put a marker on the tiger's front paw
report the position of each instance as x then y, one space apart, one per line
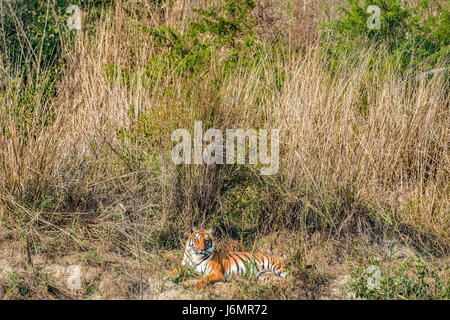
200 285
174 272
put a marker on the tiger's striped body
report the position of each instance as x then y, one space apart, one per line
200 255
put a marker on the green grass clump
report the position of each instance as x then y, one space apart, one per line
411 280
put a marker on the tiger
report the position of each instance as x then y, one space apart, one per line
201 256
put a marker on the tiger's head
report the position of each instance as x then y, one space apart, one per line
200 245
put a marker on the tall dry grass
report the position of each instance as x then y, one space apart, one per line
379 146
359 154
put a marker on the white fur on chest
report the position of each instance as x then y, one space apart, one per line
198 265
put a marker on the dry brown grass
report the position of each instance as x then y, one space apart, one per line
390 154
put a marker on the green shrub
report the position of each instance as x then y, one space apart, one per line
412 36
228 23
33 33
226 27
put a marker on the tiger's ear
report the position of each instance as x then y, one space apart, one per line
193 229
211 231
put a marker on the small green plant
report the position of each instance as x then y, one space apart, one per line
90 290
251 270
91 257
185 273
242 205
13 278
412 280
16 285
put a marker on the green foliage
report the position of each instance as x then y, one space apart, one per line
184 273
185 54
241 206
33 31
91 257
227 23
394 21
32 37
114 72
413 36
412 280
140 139
28 118
227 27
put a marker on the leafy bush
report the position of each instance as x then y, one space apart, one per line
228 23
33 32
413 36
226 27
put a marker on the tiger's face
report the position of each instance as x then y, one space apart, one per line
200 244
